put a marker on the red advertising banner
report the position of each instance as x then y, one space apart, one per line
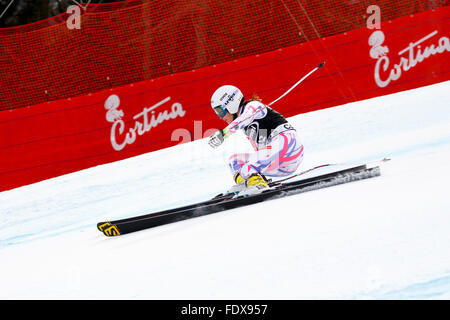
59 137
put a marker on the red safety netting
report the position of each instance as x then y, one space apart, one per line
136 40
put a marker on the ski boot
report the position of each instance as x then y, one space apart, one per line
254 184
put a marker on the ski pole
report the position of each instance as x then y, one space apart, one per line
284 94
298 82
301 173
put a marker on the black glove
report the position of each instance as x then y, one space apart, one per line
216 139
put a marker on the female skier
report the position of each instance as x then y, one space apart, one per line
278 151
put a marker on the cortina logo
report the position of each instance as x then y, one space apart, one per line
147 120
415 55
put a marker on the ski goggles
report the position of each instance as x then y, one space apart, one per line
220 111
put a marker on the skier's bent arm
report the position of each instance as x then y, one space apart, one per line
244 119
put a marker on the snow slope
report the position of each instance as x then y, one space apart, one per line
382 238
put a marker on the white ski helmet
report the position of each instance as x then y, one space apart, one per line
226 98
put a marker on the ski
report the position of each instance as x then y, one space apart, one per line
218 204
101 226
271 184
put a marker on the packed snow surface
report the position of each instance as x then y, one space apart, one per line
386 237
